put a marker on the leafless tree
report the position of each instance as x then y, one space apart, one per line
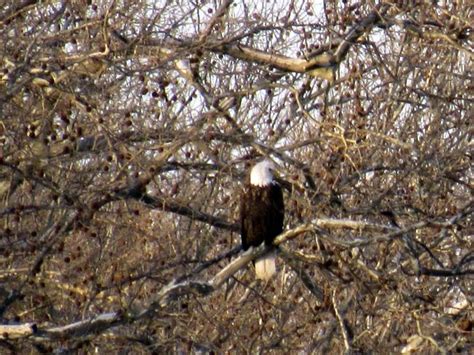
127 129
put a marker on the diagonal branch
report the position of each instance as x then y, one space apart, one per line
183 210
357 31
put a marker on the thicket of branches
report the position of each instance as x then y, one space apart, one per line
127 129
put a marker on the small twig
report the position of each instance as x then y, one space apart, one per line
342 325
303 275
216 17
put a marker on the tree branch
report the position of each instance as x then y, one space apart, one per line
179 287
174 207
319 63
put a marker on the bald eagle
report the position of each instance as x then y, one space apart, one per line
261 215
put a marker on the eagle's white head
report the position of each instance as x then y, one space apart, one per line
262 173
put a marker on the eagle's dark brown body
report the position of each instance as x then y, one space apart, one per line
261 214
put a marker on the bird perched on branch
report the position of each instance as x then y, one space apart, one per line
261 215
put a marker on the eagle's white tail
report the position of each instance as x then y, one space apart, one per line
265 266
